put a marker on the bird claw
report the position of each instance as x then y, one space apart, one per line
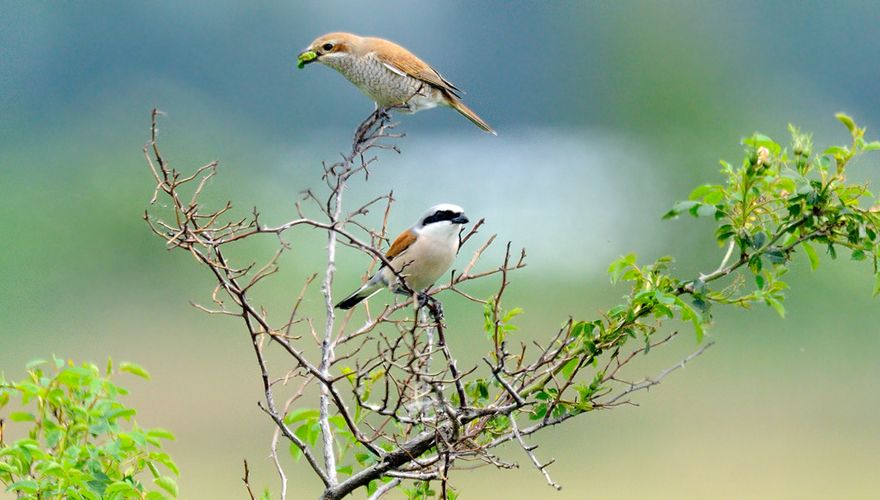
377 118
434 306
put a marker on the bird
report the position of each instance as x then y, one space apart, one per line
419 255
389 74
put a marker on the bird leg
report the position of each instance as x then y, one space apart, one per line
378 117
434 306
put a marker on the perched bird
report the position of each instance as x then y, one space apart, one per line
388 73
420 255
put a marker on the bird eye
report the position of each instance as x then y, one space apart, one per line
327 46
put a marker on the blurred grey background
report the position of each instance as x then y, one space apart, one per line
607 113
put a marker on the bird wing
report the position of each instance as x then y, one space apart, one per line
402 61
401 244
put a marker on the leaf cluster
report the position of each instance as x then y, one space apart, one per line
81 441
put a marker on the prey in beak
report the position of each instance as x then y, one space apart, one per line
305 57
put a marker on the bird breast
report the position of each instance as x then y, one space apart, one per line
424 261
383 85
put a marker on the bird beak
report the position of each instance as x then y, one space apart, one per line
461 219
305 57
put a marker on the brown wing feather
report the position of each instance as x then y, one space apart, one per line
394 55
403 241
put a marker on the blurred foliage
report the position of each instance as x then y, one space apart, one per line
78 445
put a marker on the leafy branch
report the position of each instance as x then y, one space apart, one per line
82 440
397 409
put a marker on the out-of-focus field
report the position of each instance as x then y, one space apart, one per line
607 114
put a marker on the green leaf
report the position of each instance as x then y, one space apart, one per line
846 120
837 152
295 452
35 363
538 412
617 268
758 239
24 486
777 305
134 369
125 413
689 314
706 210
708 193
679 208
568 368
872 146
811 254
723 233
758 140
158 432
516 311
308 414
168 484
120 487
21 416
775 255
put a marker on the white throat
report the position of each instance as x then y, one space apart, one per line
440 230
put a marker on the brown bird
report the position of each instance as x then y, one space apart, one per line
388 73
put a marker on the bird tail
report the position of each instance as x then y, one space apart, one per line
359 295
468 113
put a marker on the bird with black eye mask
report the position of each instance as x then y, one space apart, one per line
419 255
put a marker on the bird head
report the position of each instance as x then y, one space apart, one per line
328 47
445 216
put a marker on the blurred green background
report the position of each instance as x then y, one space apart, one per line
607 113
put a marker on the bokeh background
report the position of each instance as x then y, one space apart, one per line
607 113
